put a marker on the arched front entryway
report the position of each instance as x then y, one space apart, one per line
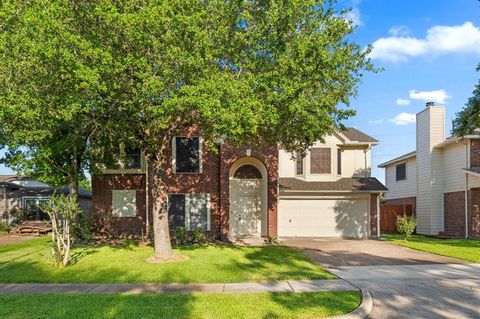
248 198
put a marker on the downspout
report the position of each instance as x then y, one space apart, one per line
365 151
378 217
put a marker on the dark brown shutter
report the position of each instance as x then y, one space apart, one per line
320 161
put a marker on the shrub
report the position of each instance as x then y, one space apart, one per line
127 242
62 210
4 227
180 236
198 236
81 228
271 240
406 225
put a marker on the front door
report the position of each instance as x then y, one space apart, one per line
245 211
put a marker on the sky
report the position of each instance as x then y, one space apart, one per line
428 50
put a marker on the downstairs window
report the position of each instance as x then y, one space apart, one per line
189 210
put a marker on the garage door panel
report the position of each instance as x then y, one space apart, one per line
323 218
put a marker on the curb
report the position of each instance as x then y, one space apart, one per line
363 310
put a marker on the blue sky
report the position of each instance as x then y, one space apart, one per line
429 50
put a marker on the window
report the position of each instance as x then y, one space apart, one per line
247 172
401 172
339 162
299 163
320 161
187 154
128 158
124 203
33 208
189 210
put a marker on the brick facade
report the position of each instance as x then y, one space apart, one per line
214 180
454 212
474 153
474 218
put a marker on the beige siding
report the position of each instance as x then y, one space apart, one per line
454 161
430 132
405 188
356 162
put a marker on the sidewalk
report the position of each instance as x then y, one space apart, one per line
278 286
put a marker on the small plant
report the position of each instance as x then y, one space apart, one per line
62 210
406 226
180 236
127 242
4 227
271 240
198 236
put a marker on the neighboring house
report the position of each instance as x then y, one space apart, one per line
250 191
25 193
440 179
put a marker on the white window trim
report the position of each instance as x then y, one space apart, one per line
25 198
140 170
187 211
135 212
174 154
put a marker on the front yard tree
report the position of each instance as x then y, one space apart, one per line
468 119
262 72
50 66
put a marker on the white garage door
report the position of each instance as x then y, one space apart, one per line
323 218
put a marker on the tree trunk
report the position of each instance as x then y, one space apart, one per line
161 233
73 184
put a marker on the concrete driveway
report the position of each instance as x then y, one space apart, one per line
404 283
335 252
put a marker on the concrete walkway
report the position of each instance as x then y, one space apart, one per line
279 286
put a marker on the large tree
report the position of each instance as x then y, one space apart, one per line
257 71
468 119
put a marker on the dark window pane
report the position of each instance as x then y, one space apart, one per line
187 154
132 158
320 161
176 210
339 162
299 162
198 211
247 172
401 172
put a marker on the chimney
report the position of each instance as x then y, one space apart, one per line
430 132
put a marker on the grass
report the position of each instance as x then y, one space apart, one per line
465 249
196 305
30 262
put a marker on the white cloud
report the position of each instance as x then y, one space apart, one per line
403 119
354 16
399 30
375 122
436 96
401 101
463 38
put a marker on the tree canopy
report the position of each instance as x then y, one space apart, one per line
468 119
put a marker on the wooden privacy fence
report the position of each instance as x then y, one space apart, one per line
388 217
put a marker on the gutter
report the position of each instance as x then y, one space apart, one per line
378 217
467 159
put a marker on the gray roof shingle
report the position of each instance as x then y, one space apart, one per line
358 136
355 184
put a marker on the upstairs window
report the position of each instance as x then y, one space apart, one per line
127 158
187 154
339 162
320 161
401 172
189 210
299 159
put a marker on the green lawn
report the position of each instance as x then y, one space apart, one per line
197 305
30 262
465 249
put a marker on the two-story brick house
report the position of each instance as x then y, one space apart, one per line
250 191
440 179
